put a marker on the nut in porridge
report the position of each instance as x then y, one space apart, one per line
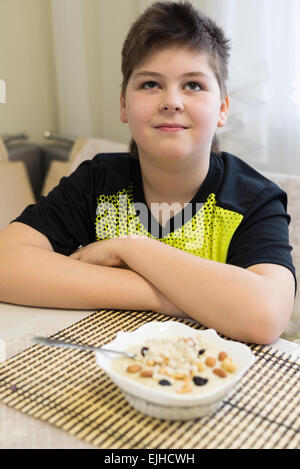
150 362
185 388
222 356
179 375
200 366
210 361
146 373
220 372
228 366
133 368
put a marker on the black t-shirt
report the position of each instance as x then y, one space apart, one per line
237 216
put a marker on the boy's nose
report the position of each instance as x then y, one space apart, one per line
171 106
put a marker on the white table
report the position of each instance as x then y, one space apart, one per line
18 326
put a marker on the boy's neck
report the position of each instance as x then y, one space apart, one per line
172 184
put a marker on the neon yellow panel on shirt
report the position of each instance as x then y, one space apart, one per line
207 234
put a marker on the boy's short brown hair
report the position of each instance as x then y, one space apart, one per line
175 23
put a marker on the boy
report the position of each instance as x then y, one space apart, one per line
208 235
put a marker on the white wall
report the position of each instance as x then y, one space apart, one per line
61 62
27 66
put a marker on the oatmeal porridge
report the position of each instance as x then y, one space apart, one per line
180 365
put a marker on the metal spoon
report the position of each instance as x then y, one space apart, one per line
60 343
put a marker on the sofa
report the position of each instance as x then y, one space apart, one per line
15 188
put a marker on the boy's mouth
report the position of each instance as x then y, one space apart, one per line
168 127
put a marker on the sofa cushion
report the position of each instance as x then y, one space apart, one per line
86 149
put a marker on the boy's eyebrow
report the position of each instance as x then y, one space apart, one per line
155 74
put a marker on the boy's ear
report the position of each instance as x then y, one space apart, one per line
123 115
224 109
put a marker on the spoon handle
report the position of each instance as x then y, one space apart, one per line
60 343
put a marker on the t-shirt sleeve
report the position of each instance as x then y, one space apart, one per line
67 215
263 235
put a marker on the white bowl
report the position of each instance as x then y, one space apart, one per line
166 405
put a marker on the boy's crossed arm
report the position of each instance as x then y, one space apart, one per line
31 273
252 305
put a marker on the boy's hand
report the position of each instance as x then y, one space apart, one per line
109 253
105 253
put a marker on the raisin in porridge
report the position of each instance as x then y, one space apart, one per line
177 364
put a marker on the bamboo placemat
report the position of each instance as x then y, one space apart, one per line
66 388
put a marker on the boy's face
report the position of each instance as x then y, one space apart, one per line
170 92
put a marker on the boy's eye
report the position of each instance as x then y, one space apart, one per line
145 85
194 86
